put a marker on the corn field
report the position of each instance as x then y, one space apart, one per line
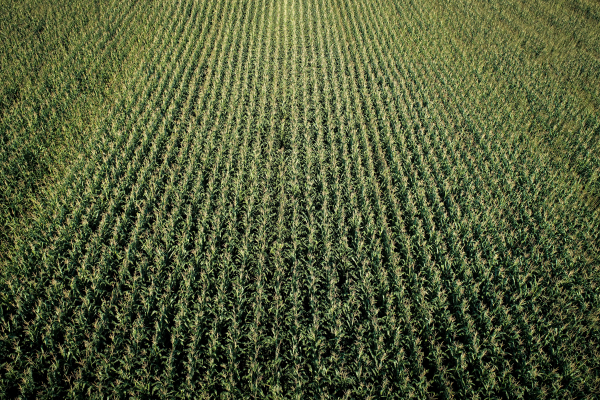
322 199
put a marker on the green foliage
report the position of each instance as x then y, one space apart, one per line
317 199
60 64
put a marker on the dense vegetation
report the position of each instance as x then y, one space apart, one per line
305 199
61 65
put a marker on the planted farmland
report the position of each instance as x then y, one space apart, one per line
313 199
